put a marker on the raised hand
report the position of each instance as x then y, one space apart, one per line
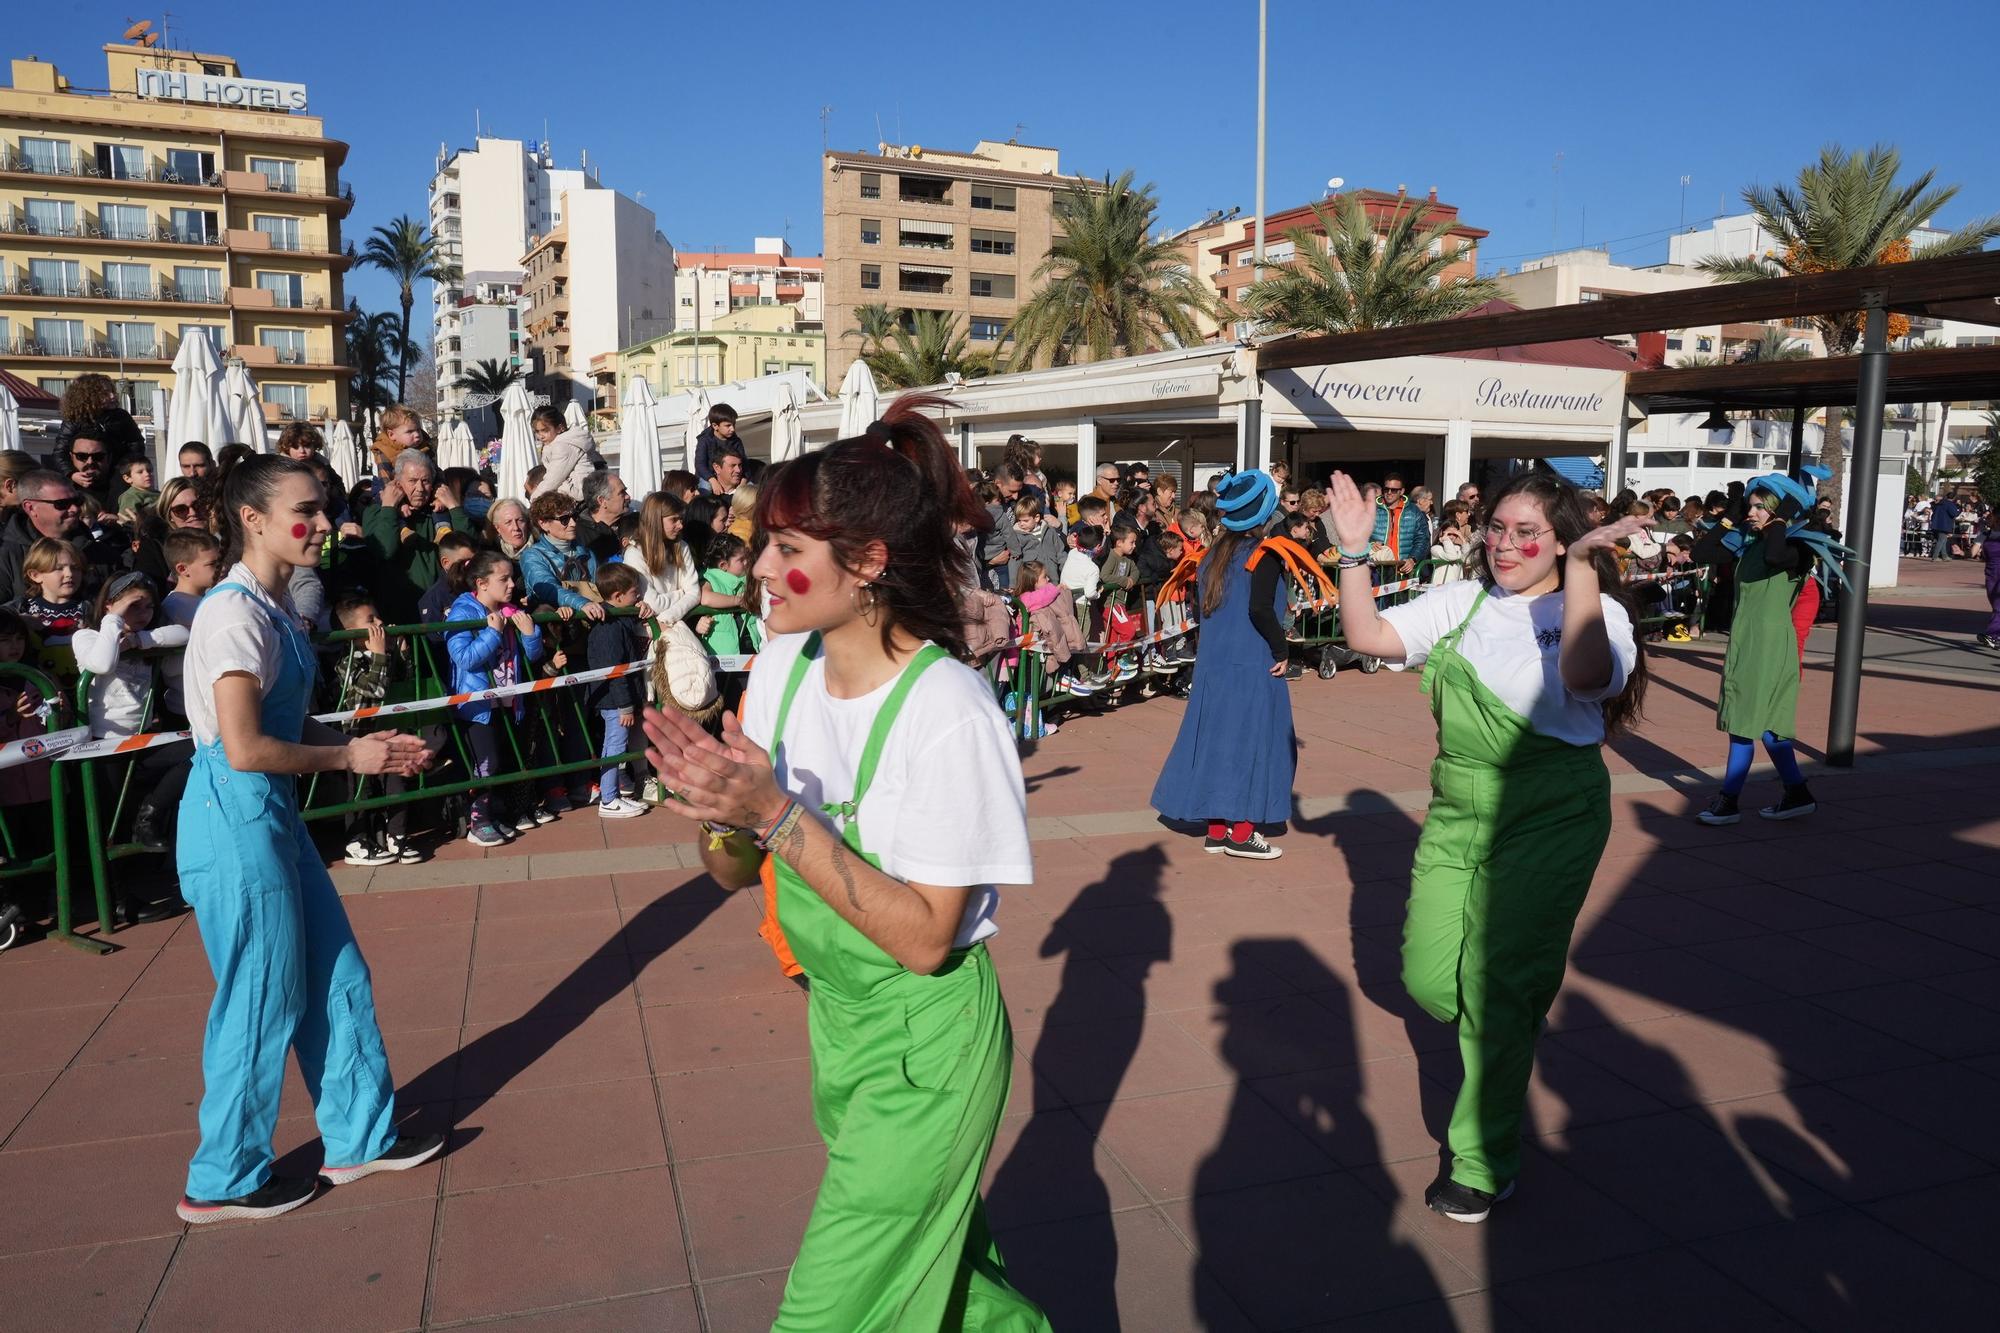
1353 517
1606 537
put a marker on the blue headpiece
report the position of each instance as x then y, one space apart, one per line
1246 500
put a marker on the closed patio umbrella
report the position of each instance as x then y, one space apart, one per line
455 445
195 411
343 454
860 400
518 455
639 441
243 408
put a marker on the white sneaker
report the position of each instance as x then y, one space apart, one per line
619 808
367 854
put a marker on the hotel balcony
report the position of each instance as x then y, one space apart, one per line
92 233
263 298
257 354
90 350
92 290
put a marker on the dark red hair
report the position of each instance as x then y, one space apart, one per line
899 484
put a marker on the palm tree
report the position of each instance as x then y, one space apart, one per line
925 351
1106 288
1353 277
877 323
406 253
1847 211
1774 344
490 378
374 344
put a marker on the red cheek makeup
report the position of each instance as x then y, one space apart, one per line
797 582
1531 549
299 530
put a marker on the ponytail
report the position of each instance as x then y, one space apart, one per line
251 484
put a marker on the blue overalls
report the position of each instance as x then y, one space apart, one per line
288 972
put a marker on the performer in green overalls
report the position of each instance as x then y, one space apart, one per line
879 775
1528 662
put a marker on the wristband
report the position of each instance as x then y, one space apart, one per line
1353 561
1345 554
760 836
784 824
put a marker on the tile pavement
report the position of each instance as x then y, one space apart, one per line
1764 1101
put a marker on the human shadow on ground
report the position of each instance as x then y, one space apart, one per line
1281 1230
1052 1170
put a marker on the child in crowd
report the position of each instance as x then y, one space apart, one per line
194 557
1096 511
374 837
1055 634
735 631
494 655
455 552
1119 575
1062 504
107 646
139 497
26 830
1030 537
614 641
56 607
1079 569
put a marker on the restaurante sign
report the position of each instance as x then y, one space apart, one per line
1433 389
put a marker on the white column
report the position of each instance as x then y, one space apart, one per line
1086 455
1614 454
1262 439
1457 458
1249 413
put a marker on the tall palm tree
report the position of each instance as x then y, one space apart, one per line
490 378
408 254
374 344
1106 287
924 352
876 325
1847 211
1353 277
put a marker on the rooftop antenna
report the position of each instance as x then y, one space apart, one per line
1018 127
824 112
1555 205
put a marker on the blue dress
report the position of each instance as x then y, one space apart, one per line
1236 754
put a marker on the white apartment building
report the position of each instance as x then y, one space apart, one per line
710 284
487 204
601 279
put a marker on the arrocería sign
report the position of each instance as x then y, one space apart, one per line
254 94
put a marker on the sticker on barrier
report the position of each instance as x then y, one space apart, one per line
30 748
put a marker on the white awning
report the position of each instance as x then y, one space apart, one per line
925 227
926 269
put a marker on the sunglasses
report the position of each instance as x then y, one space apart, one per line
76 457
1392 490
188 510
73 502
565 518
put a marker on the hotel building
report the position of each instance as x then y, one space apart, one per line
181 200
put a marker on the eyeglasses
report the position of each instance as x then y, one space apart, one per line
1392 490
1495 532
78 457
565 518
70 502
185 511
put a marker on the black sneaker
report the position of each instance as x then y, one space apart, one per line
1462 1203
279 1194
1255 849
401 1155
1797 801
1214 844
1987 641
1721 810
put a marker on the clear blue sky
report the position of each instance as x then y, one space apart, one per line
713 110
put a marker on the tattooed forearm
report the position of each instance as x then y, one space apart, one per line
840 868
795 843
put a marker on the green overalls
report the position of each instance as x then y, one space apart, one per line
1516 826
910 1078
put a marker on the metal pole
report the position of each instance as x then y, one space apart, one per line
1864 468
1263 28
1798 440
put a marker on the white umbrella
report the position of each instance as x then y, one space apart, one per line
10 419
573 416
697 422
518 456
787 432
196 408
163 453
343 454
243 408
639 440
860 400
455 446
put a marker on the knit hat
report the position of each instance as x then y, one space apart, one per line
1246 500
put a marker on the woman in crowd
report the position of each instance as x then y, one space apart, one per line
288 974
1235 755
568 454
882 780
508 529
1529 662
671 590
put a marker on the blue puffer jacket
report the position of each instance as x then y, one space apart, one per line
544 570
1414 534
476 652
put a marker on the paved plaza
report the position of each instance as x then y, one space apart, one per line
1763 1102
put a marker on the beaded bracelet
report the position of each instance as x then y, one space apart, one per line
1345 554
1353 562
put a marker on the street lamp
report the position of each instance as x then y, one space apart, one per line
1263 49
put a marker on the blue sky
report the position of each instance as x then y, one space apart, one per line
714 110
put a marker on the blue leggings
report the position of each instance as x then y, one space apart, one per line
1742 749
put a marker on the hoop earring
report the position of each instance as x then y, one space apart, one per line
869 612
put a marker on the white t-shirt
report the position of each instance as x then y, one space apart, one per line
947 806
1514 645
231 633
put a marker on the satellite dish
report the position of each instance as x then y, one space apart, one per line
150 40
1335 183
138 30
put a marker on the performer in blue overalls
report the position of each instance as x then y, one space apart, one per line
288 974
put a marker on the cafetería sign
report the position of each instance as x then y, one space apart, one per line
1376 394
250 94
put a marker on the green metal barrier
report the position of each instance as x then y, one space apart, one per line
56 861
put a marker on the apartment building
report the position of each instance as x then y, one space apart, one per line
916 228
742 344
601 279
182 200
710 284
488 204
1236 252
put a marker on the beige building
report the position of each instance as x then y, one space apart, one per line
187 201
917 228
744 344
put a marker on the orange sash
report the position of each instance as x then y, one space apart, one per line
1299 563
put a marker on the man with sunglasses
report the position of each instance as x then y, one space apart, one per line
1400 527
91 470
50 507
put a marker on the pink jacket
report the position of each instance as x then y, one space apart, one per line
1052 617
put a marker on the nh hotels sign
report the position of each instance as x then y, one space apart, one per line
250 94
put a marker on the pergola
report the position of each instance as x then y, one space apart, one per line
1965 289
